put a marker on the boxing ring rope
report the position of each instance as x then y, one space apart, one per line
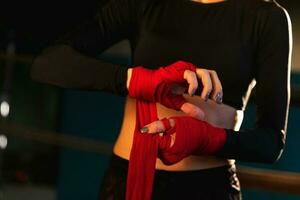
251 178
54 138
269 180
20 58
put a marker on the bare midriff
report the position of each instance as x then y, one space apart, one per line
219 115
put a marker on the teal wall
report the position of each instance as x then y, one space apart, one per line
92 115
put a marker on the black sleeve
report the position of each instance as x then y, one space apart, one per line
71 62
265 142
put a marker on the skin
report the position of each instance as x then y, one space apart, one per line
208 1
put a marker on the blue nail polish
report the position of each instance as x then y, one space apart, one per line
207 96
193 93
144 130
219 98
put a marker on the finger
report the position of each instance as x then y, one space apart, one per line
204 75
158 126
217 93
191 79
193 111
153 127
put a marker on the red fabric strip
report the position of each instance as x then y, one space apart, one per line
192 137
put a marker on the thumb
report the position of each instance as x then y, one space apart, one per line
192 111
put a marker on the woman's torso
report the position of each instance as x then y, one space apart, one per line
217 114
219 36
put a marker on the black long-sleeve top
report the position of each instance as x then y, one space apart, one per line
241 40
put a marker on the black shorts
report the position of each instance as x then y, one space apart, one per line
220 183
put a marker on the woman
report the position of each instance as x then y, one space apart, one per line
241 40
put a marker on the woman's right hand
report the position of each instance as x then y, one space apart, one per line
155 85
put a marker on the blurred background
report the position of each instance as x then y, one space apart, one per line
55 143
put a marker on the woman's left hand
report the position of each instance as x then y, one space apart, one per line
191 135
157 126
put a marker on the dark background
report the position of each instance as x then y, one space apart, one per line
32 170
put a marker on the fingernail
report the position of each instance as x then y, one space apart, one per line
144 130
207 96
193 93
219 98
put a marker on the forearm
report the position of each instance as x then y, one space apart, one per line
258 145
63 66
129 72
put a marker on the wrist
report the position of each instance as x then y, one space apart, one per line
141 84
129 73
217 139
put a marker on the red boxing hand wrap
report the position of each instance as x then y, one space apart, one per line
154 85
193 137
166 123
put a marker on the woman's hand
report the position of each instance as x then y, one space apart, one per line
212 87
157 86
187 136
158 126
